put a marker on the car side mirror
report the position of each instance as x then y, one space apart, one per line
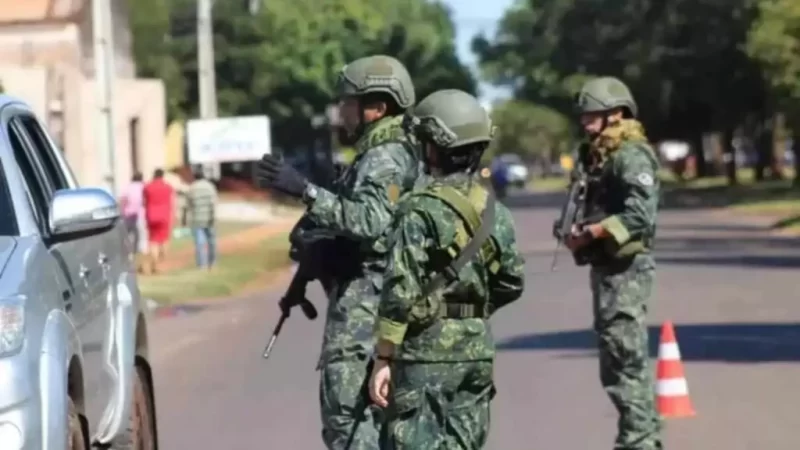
81 212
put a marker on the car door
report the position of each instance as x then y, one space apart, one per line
88 265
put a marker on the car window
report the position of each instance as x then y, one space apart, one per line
8 220
39 188
47 153
511 158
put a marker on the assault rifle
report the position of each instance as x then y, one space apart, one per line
296 292
295 296
572 214
313 250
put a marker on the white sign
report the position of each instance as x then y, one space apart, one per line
229 139
674 150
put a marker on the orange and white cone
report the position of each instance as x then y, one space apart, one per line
672 390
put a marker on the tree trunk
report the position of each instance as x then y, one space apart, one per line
796 151
729 156
778 147
762 141
696 143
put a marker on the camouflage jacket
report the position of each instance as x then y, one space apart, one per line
423 227
626 167
360 208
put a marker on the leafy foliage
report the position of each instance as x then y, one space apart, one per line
283 60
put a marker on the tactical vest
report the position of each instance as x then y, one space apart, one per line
601 203
458 304
385 131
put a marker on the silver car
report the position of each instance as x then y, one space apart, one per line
73 335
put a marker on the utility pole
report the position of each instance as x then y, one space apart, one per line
206 76
104 73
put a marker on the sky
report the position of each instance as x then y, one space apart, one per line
473 17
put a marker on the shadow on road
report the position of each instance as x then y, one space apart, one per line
721 227
725 244
762 261
728 342
757 252
535 200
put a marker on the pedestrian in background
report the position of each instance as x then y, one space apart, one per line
199 214
159 212
132 201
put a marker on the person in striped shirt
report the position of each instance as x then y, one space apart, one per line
201 203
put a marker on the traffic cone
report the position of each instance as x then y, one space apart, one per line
672 391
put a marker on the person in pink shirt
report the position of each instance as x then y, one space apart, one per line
132 203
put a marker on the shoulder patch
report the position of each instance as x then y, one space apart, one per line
393 192
645 179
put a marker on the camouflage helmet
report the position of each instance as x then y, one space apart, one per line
377 73
452 118
605 93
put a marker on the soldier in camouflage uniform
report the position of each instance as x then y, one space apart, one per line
375 92
435 344
620 168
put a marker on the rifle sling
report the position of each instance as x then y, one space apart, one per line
484 231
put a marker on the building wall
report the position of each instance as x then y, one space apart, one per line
122 37
139 110
27 83
46 59
39 45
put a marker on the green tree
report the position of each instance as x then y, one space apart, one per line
536 133
774 41
150 27
683 59
283 61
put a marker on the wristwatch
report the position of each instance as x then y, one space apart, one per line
310 194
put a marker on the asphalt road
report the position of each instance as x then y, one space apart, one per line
730 288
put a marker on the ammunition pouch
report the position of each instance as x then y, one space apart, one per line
462 302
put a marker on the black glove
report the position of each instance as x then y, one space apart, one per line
275 174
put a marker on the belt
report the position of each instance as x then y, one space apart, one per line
452 310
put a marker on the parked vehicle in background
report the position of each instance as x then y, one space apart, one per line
499 178
74 349
517 171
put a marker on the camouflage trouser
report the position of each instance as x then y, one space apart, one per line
349 420
440 406
620 305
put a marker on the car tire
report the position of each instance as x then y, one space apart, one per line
76 439
141 431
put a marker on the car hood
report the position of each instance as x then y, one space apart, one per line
7 246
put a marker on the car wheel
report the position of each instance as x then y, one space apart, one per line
140 434
76 438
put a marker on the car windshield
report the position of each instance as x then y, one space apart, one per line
511 158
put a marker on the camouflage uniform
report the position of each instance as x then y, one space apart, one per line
624 188
442 366
360 209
